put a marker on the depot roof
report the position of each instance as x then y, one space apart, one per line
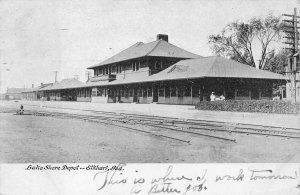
214 66
64 84
159 48
206 67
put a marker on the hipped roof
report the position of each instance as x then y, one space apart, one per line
214 66
64 84
208 67
159 48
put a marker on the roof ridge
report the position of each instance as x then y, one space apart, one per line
158 42
185 50
138 43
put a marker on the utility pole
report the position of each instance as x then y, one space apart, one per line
55 72
88 75
291 30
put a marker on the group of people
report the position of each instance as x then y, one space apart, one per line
214 97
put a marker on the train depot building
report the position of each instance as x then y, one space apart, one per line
160 72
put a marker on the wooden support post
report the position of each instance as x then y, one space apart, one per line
191 91
235 93
250 93
200 92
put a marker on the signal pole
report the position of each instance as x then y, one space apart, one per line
291 29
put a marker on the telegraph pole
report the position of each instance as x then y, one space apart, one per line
88 75
291 29
55 72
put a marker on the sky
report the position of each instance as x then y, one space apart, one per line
38 37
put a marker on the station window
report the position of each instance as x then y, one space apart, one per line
110 92
195 91
126 91
149 91
161 91
135 66
144 92
167 91
180 91
266 92
160 65
140 92
173 91
187 91
243 92
114 68
130 92
94 92
119 68
156 64
122 92
99 91
109 69
143 64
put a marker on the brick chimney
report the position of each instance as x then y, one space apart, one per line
32 85
162 37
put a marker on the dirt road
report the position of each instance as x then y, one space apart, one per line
40 139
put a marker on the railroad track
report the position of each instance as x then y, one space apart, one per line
212 129
128 123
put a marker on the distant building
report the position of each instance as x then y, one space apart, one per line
2 96
64 90
14 93
34 93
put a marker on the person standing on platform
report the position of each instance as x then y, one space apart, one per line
212 96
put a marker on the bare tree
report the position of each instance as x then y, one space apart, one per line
237 40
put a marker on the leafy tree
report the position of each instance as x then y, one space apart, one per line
239 39
276 61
